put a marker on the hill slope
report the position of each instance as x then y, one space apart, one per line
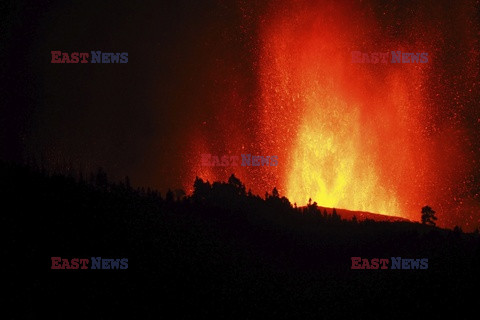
220 253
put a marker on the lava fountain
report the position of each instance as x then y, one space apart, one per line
349 135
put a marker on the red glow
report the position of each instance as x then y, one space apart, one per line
354 136
350 135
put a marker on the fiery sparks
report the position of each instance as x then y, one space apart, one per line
356 136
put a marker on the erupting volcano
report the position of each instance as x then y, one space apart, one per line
386 138
343 123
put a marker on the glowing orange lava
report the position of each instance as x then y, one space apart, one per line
347 133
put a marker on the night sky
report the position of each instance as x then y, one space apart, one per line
259 77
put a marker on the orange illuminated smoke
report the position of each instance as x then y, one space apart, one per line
350 135
358 136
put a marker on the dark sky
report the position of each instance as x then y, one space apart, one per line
131 119
219 76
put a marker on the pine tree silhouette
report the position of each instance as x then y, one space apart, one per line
428 216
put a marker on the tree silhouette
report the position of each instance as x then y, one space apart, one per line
275 193
101 179
169 197
127 183
428 216
457 230
335 216
201 189
179 194
237 185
